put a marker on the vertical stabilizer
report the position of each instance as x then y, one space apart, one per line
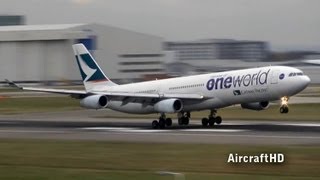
92 75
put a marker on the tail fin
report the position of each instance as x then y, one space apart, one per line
91 73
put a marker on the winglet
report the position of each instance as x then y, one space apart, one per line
12 84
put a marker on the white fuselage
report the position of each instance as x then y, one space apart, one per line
218 89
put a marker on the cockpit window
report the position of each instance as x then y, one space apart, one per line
295 74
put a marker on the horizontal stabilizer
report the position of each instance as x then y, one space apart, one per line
12 84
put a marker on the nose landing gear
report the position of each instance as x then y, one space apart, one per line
284 108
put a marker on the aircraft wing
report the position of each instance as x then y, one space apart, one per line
150 95
82 93
59 91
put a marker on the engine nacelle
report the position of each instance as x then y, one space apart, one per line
256 105
168 106
94 102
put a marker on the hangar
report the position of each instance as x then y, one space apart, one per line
43 53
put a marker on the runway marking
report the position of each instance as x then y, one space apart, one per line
121 129
105 128
175 134
144 130
303 124
160 135
213 130
8 122
234 135
31 131
139 130
271 136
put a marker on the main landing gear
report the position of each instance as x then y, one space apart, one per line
284 108
162 123
183 118
212 119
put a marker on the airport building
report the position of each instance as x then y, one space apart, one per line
224 49
33 53
43 53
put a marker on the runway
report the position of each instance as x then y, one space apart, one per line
139 130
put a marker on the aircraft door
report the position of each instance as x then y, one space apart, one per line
275 76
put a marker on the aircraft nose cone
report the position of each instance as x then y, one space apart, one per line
306 80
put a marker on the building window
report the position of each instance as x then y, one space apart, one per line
141 63
140 70
140 55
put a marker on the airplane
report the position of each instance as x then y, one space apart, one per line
252 88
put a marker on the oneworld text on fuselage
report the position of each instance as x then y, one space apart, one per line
259 78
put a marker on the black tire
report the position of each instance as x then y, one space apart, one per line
205 122
168 122
185 120
211 121
286 110
218 120
155 124
180 121
162 123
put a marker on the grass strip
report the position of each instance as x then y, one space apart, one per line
37 104
53 159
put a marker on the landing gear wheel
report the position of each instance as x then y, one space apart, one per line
281 110
218 119
185 120
205 122
155 124
284 109
162 123
284 105
168 122
211 121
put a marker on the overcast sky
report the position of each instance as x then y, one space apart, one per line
287 24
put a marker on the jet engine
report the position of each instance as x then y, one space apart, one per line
94 102
256 105
168 106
